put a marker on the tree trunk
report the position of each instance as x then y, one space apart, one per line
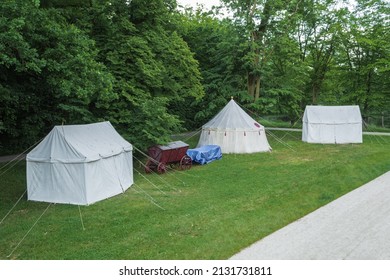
251 87
314 95
257 92
254 86
257 37
368 91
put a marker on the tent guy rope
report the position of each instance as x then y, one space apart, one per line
154 185
21 154
159 177
2 220
267 131
280 140
152 200
10 167
28 232
173 174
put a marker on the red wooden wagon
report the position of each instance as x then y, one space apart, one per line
172 153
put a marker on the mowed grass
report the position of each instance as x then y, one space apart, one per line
209 212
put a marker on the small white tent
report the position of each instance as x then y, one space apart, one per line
234 131
332 125
79 164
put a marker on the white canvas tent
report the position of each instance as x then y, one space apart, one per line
332 125
234 131
79 164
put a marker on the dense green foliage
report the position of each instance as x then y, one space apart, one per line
153 69
111 60
48 73
314 52
206 216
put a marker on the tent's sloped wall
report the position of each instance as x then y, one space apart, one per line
80 143
332 125
79 164
55 148
232 116
105 142
332 114
234 131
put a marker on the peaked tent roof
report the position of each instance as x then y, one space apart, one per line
332 114
232 117
80 143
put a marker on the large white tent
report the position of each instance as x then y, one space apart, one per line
234 131
79 164
332 125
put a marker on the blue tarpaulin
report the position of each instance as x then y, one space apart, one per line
205 154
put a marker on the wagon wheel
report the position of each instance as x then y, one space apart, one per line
161 168
148 166
185 163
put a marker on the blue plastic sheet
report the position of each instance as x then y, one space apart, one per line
205 154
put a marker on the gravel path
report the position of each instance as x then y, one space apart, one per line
354 226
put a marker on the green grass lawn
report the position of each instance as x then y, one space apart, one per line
210 212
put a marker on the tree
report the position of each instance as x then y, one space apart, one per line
48 73
215 43
253 18
76 62
153 68
319 35
367 57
